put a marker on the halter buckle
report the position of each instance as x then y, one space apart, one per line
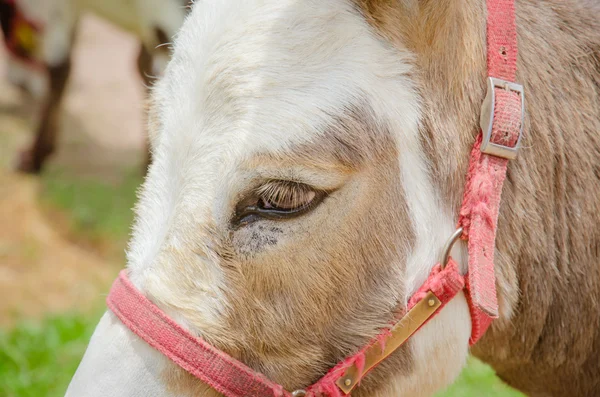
486 120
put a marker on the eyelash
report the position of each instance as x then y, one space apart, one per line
281 191
254 207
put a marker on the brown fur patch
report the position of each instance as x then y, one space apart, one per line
548 243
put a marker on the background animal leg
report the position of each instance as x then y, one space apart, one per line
32 159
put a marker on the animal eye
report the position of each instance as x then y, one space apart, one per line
278 200
285 196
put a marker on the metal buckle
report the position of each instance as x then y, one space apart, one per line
486 120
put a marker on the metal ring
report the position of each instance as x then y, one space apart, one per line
448 247
299 393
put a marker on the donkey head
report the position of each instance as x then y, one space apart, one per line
289 212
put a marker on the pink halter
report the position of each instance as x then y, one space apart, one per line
501 124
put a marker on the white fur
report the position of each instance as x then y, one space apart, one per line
118 364
252 76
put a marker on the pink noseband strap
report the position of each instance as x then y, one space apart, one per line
214 367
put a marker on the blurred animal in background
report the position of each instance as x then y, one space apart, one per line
39 36
21 37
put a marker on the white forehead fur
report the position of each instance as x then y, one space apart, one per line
250 76
263 75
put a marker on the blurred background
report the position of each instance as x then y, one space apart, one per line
63 232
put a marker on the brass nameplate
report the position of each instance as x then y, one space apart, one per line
403 329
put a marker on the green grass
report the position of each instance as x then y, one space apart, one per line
38 359
478 380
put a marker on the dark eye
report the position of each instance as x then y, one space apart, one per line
278 200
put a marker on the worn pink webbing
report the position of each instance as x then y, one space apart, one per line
479 212
214 367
